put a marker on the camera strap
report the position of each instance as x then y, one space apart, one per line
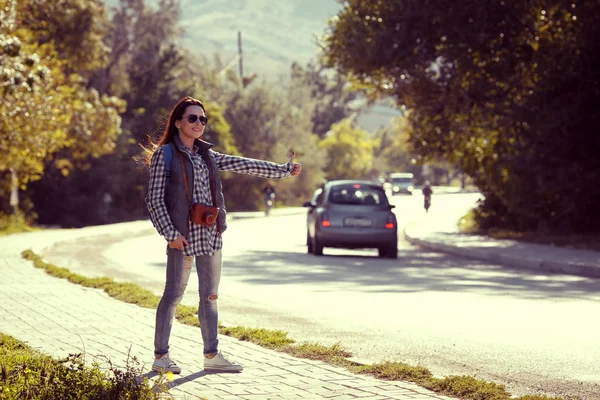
185 181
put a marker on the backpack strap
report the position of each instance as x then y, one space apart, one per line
168 155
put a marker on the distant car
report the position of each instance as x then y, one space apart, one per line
351 214
402 183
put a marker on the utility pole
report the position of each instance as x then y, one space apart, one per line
240 58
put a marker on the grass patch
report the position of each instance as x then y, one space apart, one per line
127 292
581 241
279 340
28 374
14 223
275 340
395 371
334 354
463 387
467 387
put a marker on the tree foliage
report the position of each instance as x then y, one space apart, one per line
76 28
46 109
393 152
504 89
349 152
141 68
81 93
269 124
328 91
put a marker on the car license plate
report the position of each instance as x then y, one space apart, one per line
357 222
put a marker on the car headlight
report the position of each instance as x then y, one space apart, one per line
396 188
410 188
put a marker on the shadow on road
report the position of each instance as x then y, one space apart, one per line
415 270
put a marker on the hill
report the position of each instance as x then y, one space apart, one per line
274 33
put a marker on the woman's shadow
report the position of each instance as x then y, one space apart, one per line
180 380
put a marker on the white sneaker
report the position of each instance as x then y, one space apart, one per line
220 364
165 364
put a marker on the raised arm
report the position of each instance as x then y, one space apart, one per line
251 166
155 198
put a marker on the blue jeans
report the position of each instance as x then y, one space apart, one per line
178 274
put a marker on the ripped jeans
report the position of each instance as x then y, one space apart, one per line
179 268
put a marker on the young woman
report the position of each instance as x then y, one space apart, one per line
184 171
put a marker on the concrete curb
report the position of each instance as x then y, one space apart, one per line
496 256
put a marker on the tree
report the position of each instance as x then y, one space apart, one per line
45 111
393 152
349 152
268 124
328 91
136 61
504 89
76 28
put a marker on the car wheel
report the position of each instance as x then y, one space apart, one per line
317 247
309 243
390 251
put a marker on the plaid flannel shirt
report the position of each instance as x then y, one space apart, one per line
202 240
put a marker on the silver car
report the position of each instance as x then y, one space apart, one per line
402 182
351 214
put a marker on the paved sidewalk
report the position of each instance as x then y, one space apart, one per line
58 318
443 236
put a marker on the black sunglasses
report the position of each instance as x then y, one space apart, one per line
192 118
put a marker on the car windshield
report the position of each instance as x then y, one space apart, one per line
402 180
357 194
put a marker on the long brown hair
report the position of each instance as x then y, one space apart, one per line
170 128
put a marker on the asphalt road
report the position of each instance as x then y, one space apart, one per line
534 333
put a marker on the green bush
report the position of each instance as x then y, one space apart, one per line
14 223
467 387
27 374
